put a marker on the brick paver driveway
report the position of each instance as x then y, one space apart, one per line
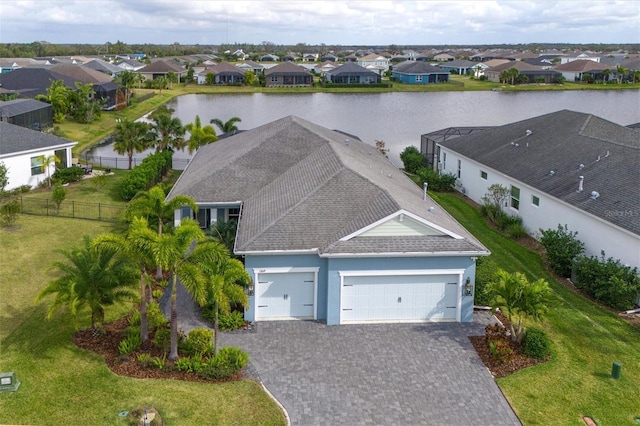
377 374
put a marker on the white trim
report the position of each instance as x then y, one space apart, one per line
401 272
285 270
396 214
39 150
278 252
408 254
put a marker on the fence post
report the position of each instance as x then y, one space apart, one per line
73 209
47 207
99 212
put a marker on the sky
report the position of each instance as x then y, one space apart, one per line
310 22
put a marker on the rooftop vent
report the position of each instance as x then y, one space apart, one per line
594 195
581 166
528 132
551 173
346 142
432 209
580 184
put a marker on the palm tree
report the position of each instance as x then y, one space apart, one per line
126 80
47 161
225 232
228 126
130 137
92 276
183 253
620 73
227 281
605 75
167 131
199 135
519 299
172 77
58 97
133 247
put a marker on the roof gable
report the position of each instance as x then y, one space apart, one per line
401 223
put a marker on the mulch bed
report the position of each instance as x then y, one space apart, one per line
106 344
517 362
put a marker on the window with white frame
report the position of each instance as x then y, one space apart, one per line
483 174
233 214
535 201
515 197
444 161
36 165
274 78
459 168
418 78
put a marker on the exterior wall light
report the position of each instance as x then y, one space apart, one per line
467 287
250 289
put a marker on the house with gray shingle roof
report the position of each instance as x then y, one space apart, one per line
352 73
27 113
330 230
419 72
22 151
561 168
288 74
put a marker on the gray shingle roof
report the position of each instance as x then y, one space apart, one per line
303 188
14 139
21 106
562 141
418 67
351 68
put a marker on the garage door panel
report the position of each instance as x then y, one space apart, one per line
399 298
285 295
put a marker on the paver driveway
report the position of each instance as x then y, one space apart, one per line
377 374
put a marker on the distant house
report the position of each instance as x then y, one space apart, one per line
580 57
102 84
310 57
325 67
290 57
532 72
575 70
224 73
351 58
161 68
374 62
458 66
350 73
443 57
30 82
27 113
288 74
104 67
269 58
418 72
561 168
23 150
130 64
252 66
329 57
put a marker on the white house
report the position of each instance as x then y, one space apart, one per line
23 152
562 168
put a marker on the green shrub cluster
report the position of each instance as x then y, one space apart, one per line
199 342
607 281
498 343
509 224
412 159
9 212
536 344
437 182
233 321
227 363
130 343
68 174
145 174
562 248
485 273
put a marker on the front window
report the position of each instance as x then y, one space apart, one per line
418 78
234 214
483 175
515 197
274 78
535 201
36 165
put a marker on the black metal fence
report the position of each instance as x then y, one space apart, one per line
123 162
72 209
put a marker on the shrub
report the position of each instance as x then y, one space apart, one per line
145 174
162 339
199 342
155 317
189 364
412 159
58 195
501 350
9 212
157 293
227 363
485 273
22 189
233 321
436 181
133 330
68 174
144 360
608 281
158 362
536 344
130 344
516 230
562 248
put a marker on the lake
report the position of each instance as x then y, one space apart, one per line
399 119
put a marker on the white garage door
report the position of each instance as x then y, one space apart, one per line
399 298
289 295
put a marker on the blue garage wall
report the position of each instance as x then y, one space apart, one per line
252 262
335 265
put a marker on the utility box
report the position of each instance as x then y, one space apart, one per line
616 370
9 382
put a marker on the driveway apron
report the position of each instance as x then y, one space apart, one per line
375 374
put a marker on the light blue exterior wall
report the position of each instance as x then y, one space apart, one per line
394 263
252 262
411 78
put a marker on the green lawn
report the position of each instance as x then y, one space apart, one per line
586 341
62 384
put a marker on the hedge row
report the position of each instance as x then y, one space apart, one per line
144 175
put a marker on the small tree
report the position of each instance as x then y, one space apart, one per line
493 201
4 178
9 213
519 299
47 160
412 159
209 79
562 247
58 195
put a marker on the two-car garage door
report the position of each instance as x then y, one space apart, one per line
401 298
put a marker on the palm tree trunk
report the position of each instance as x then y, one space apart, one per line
144 329
215 330
159 268
173 352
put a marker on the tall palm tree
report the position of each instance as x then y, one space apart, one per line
133 247
183 253
199 135
227 281
227 126
172 78
47 161
130 137
91 276
151 205
167 131
126 79
58 97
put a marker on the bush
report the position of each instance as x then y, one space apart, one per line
227 363
9 212
130 344
199 342
145 174
68 174
22 189
607 281
536 344
516 230
485 273
412 159
58 195
162 339
501 350
233 321
158 362
562 248
144 360
189 364
436 181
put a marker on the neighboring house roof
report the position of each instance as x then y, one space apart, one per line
82 74
519 65
372 57
459 63
351 68
226 67
103 66
20 106
287 68
417 67
561 147
582 65
305 188
33 81
16 139
495 62
162 67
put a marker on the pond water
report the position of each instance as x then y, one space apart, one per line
399 119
